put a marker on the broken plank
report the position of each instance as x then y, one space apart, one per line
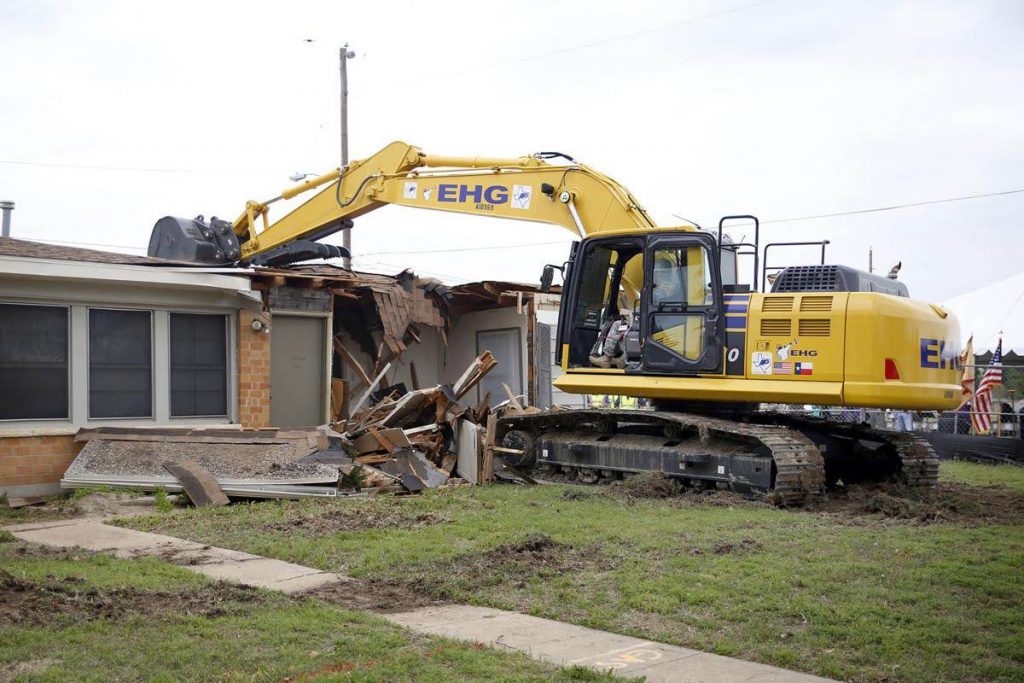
370 389
513 400
483 364
350 360
373 459
413 379
487 467
337 398
384 441
198 483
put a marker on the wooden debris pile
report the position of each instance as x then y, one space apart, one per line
416 438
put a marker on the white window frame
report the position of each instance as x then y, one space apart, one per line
228 367
69 397
152 363
78 367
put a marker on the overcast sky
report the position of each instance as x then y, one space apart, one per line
122 112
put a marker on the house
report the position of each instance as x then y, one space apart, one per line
91 338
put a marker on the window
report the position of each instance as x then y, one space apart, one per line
681 290
33 362
120 363
199 365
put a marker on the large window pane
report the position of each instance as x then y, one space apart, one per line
120 364
33 362
199 365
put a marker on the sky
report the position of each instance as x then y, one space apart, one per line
114 114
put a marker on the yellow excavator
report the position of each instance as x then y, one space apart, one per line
658 313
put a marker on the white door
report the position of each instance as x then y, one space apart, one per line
297 371
506 347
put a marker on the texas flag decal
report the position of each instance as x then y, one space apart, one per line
803 368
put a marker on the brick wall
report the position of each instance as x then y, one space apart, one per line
253 371
31 465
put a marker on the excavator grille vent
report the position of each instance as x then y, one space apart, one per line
777 304
774 327
813 327
809 304
809 279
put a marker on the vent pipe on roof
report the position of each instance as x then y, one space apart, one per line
6 207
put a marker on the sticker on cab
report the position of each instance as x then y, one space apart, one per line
761 363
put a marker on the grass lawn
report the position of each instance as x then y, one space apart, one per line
928 589
1009 476
67 616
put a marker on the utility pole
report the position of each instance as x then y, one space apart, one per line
871 260
343 56
6 207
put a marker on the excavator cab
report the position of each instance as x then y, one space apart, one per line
666 285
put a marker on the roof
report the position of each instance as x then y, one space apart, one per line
10 246
990 311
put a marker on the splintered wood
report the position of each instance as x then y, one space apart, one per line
474 373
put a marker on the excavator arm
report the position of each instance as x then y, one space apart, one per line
529 188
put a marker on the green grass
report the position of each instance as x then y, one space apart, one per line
1010 476
857 598
278 638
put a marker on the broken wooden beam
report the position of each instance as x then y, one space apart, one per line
200 485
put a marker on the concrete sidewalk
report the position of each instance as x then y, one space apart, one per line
552 641
567 644
217 563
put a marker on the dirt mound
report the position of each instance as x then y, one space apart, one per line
946 502
370 596
535 555
579 494
24 602
533 545
646 485
742 546
507 566
356 519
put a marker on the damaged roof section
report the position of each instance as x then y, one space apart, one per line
395 305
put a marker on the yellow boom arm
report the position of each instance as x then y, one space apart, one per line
529 188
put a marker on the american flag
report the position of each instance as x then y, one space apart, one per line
981 412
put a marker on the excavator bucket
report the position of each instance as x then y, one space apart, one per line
195 240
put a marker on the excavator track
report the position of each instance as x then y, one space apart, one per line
910 458
788 458
702 450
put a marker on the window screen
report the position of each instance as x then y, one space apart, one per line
120 364
199 365
33 362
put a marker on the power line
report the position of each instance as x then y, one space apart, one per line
894 207
133 169
585 46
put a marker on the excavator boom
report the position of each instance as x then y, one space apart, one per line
570 195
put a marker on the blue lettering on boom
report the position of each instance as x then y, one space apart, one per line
446 193
496 194
478 194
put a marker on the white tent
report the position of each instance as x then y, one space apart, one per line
989 310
